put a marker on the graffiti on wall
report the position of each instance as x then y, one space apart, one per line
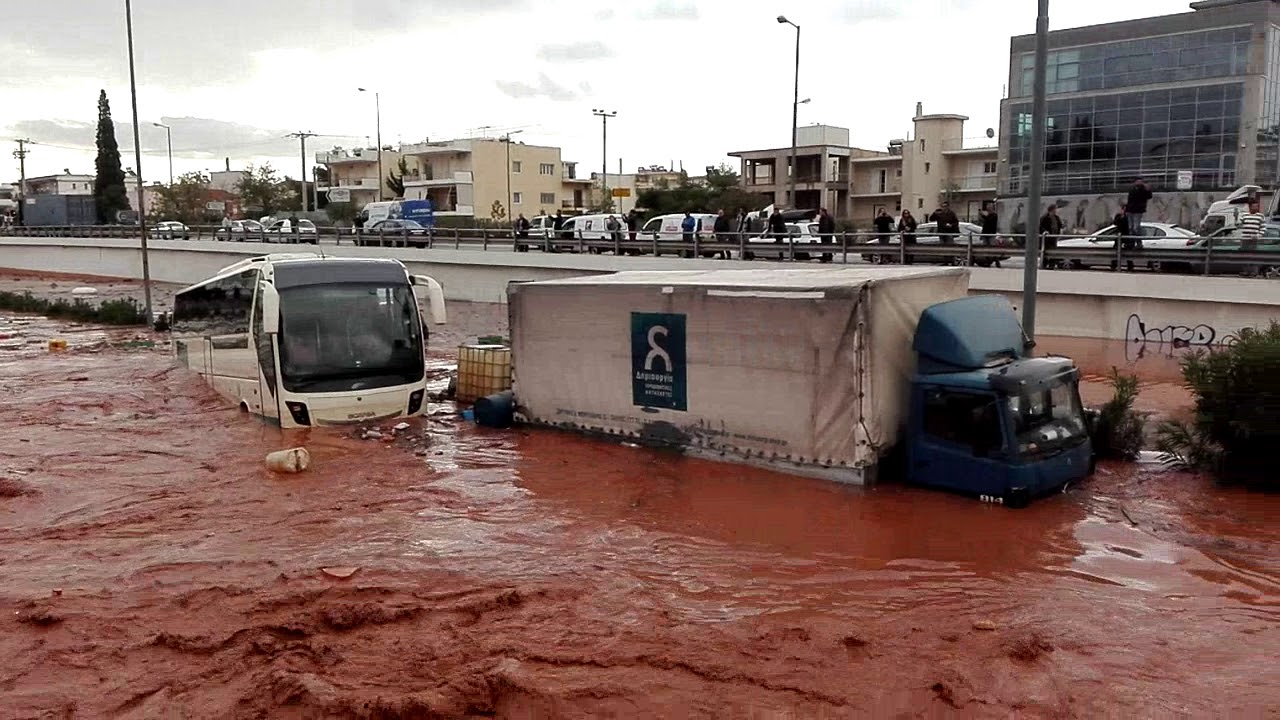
1141 338
1088 213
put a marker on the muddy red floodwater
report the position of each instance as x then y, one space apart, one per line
153 568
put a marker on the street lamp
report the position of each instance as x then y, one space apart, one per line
137 156
507 139
795 107
169 132
604 116
377 107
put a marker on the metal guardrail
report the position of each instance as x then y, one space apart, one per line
839 247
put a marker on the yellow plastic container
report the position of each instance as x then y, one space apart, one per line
482 371
57 345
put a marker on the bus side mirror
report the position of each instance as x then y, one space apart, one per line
435 297
270 308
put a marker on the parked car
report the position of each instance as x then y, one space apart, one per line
801 235
170 230
1226 242
927 235
394 233
241 230
669 228
282 231
1155 236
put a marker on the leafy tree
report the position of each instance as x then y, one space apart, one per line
109 191
395 183
262 191
721 190
184 200
342 213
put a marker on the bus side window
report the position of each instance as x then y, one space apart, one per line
262 346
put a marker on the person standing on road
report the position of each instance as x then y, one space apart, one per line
744 224
884 226
907 228
688 228
1136 205
1050 229
722 232
1250 232
615 229
777 226
948 224
633 223
826 232
990 225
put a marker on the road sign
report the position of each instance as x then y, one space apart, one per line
339 195
1185 179
621 192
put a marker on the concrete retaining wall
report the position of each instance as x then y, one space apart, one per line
1140 307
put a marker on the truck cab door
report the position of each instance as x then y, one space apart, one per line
958 441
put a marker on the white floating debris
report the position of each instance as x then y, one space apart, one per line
402 426
85 291
294 460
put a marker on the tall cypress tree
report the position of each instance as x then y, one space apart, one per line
109 192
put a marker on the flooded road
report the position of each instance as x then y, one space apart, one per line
154 568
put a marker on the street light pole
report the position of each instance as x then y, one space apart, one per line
510 204
137 157
1038 121
795 109
377 109
169 133
604 116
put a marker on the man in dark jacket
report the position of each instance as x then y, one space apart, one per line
948 224
722 232
1136 205
884 226
826 226
1124 235
1050 229
777 226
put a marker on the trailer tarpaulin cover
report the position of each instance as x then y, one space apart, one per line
804 369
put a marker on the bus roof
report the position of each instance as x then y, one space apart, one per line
316 267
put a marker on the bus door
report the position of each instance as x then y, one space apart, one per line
268 374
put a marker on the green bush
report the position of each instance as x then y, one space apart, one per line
1236 428
110 312
1120 430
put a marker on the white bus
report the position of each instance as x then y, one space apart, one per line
303 340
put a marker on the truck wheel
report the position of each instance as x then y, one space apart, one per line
1017 498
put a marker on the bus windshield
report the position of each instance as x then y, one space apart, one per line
351 336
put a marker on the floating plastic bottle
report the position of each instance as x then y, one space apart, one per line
294 460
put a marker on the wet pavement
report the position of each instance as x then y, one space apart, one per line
154 568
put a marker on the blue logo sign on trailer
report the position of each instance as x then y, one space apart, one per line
659 371
420 211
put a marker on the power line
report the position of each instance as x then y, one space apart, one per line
302 184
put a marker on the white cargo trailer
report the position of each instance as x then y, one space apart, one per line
803 370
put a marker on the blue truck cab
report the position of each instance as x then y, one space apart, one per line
985 418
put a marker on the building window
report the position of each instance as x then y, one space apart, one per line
548 198
546 169
988 168
927 166
517 198
920 203
921 144
515 166
899 172
883 185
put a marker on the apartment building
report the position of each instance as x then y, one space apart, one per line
493 179
1189 102
936 164
64 184
355 171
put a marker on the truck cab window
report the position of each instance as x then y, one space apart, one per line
966 419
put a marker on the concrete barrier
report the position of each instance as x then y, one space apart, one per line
1148 308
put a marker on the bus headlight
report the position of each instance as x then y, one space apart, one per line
299 412
415 402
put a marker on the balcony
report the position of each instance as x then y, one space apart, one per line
981 144
436 148
350 183
429 179
974 183
334 157
875 189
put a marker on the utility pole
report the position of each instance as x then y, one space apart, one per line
604 116
377 111
21 154
302 186
137 155
795 111
1038 121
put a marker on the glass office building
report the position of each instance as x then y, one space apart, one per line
1188 102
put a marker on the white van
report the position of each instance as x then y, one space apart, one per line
375 211
669 228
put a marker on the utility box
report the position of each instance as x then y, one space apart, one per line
802 370
60 210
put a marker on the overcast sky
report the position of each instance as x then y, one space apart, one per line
691 80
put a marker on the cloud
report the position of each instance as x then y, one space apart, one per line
192 137
603 15
869 11
670 10
545 88
574 52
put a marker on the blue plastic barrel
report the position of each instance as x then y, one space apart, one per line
496 411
